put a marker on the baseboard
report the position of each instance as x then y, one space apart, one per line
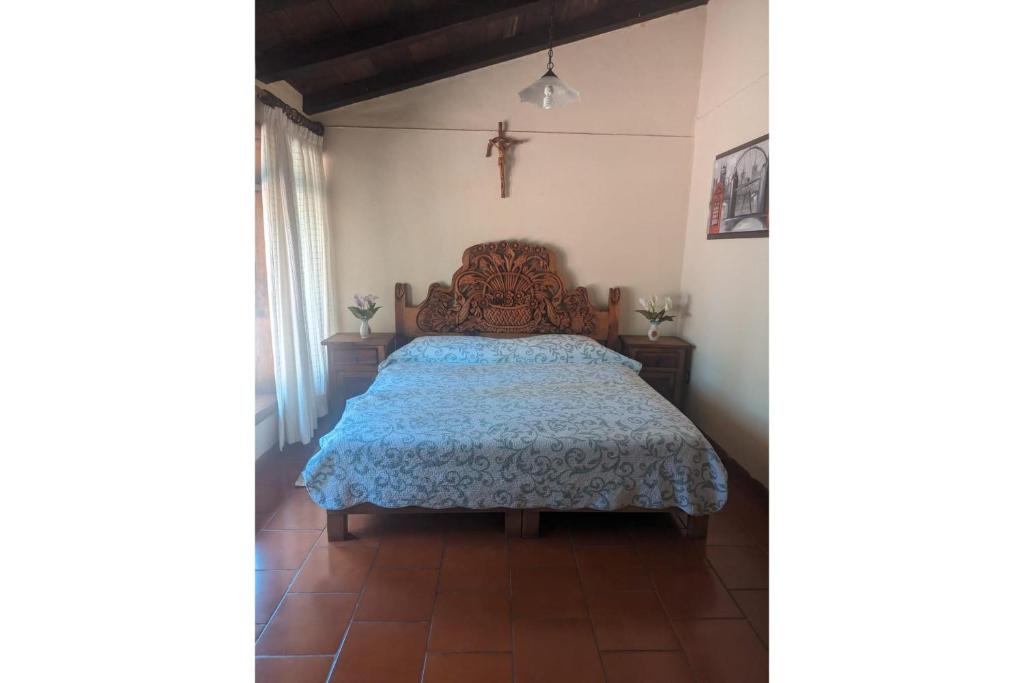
735 469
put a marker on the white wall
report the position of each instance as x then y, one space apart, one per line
605 181
618 184
266 435
727 280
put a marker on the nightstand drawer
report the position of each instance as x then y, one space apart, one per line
357 356
666 363
355 371
657 358
662 381
352 362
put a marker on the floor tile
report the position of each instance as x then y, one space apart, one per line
605 555
655 533
694 594
547 593
740 567
376 528
759 532
755 606
546 551
750 516
476 529
726 530
678 553
647 667
398 595
605 579
472 621
420 551
292 669
271 585
307 624
611 568
283 549
630 621
599 529
382 653
298 511
474 567
323 542
468 668
556 651
723 650
356 528
261 520
340 568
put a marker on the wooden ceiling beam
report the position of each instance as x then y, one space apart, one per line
279 64
618 15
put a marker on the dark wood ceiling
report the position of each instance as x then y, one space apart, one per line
337 52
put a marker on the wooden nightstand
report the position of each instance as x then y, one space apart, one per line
352 362
666 363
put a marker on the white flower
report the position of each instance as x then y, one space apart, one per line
668 303
643 302
359 301
371 299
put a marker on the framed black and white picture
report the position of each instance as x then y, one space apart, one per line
739 192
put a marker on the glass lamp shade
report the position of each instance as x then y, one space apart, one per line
548 91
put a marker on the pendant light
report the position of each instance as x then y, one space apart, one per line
549 91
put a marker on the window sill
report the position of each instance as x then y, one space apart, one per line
266 405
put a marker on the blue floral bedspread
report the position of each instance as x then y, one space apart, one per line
556 421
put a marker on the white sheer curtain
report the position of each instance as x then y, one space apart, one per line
298 270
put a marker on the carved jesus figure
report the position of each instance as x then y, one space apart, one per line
503 144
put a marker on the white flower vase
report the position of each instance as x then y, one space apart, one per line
652 332
364 329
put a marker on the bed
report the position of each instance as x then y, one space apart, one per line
506 394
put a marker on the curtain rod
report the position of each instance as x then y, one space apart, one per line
507 130
293 114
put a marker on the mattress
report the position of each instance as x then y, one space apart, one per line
551 421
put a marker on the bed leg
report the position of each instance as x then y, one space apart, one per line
337 526
691 526
514 523
697 527
531 524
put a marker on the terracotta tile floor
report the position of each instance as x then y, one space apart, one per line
447 598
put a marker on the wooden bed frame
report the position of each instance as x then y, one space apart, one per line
505 289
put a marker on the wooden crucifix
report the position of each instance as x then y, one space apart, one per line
503 144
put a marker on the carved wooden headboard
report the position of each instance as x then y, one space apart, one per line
506 289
